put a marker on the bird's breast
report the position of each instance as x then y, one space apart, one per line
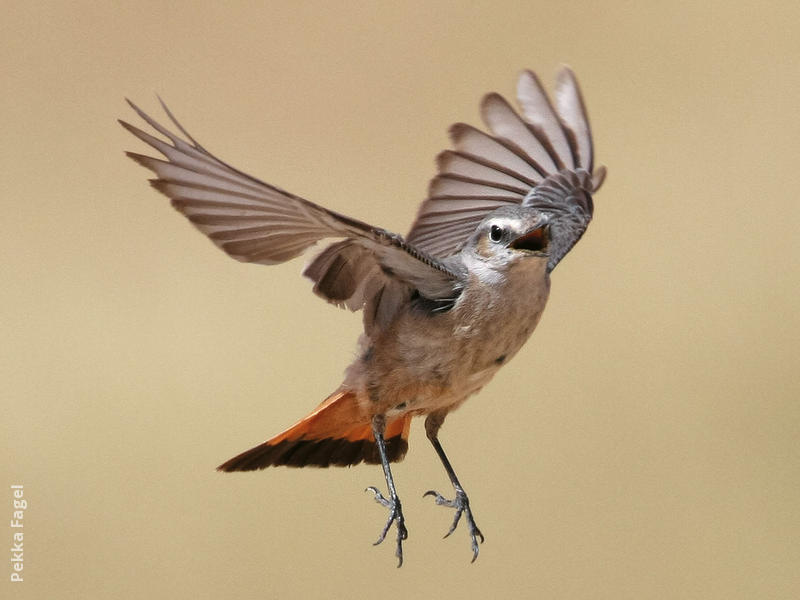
428 361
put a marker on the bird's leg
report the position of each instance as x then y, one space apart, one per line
393 502
461 502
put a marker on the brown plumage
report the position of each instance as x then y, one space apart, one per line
445 307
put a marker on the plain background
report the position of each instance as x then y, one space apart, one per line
644 444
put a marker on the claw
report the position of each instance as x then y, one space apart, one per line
461 504
395 516
378 496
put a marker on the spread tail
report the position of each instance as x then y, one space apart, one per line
337 433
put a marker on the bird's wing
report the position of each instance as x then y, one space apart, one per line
256 222
488 170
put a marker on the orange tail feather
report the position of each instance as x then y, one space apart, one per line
337 433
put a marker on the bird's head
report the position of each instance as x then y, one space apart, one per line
550 220
510 234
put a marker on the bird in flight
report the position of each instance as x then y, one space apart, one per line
444 307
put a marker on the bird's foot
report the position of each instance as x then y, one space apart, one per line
461 504
395 516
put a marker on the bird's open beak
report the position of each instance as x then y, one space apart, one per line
535 240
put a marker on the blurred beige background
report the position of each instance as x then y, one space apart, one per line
644 444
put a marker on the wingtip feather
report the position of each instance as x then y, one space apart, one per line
572 112
598 177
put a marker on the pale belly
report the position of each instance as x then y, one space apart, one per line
428 362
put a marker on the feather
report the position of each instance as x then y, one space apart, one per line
538 111
573 117
505 123
256 222
487 171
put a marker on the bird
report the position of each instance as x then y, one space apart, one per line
444 307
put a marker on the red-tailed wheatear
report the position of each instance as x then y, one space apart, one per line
444 307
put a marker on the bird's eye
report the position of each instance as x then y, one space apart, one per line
496 233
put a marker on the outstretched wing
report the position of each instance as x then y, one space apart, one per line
253 221
488 170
